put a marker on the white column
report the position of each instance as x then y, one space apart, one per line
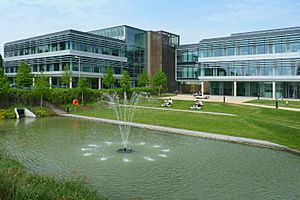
234 88
50 81
99 83
274 89
70 82
33 81
202 87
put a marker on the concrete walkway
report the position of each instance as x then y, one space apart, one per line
240 140
231 99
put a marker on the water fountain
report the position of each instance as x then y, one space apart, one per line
124 110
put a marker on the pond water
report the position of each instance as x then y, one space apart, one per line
163 166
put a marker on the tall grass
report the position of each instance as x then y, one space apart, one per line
18 184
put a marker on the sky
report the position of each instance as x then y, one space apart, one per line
193 20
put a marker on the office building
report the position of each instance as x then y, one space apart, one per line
264 63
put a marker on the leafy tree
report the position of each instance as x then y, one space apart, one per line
159 78
109 78
3 82
24 75
66 76
41 87
125 81
83 86
143 79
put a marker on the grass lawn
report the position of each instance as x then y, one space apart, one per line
291 104
279 126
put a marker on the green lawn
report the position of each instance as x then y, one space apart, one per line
291 104
279 126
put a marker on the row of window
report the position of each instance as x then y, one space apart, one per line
251 50
241 68
38 49
75 67
193 54
263 89
64 46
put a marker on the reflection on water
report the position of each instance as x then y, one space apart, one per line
163 166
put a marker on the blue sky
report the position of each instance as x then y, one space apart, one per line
193 20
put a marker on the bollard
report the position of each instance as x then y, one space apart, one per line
68 109
276 104
224 99
286 103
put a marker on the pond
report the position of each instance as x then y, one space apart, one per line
163 166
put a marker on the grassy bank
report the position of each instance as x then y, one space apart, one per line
291 104
278 126
16 183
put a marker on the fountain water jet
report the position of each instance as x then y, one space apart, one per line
124 110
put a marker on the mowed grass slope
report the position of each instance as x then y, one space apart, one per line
278 126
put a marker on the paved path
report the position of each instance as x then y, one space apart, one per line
231 99
234 139
273 107
188 111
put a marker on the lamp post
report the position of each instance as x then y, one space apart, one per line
79 65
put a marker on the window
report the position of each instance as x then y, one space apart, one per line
295 47
260 49
244 50
277 48
230 51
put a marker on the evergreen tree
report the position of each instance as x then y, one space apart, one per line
3 82
83 86
41 87
66 76
159 78
24 75
143 79
125 81
109 78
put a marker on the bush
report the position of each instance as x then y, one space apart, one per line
7 114
18 96
61 96
42 112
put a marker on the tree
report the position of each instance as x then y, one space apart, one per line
109 78
125 81
83 86
3 82
66 76
159 78
41 87
143 79
24 75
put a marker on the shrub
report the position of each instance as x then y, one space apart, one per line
43 112
7 114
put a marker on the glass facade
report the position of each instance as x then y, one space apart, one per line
252 56
136 41
50 53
